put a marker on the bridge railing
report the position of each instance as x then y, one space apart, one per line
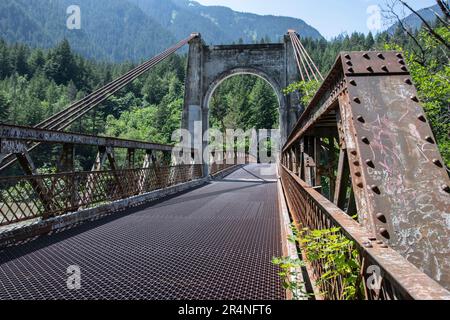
37 195
363 158
384 273
224 161
43 196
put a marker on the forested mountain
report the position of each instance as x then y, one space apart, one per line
413 22
110 29
220 25
119 30
36 83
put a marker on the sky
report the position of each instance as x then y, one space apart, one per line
330 17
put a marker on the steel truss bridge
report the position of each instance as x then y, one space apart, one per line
361 157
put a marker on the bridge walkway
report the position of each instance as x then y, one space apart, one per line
214 242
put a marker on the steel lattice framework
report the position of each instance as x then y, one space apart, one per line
63 119
362 157
364 147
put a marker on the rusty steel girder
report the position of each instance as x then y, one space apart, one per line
29 134
388 153
397 278
60 193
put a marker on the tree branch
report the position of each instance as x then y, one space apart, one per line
422 54
444 8
427 25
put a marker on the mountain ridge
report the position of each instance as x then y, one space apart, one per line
133 30
413 22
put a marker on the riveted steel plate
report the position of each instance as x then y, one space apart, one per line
373 63
405 184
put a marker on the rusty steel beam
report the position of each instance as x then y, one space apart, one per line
399 278
10 132
398 179
29 168
28 197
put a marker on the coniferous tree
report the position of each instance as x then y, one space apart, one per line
61 66
4 107
36 61
20 64
5 61
264 106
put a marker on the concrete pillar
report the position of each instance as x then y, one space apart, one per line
193 100
195 115
292 75
208 66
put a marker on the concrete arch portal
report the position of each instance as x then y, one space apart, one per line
245 71
209 66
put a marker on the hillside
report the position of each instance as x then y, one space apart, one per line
414 23
119 30
221 24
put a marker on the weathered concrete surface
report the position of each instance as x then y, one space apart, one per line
209 66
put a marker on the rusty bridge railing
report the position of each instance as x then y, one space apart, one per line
398 279
43 196
36 195
221 161
363 158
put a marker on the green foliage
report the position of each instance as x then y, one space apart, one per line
306 89
264 106
60 65
337 256
339 259
432 80
244 102
4 106
156 114
291 276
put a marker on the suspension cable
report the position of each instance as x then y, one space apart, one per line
312 61
66 117
75 111
297 59
304 59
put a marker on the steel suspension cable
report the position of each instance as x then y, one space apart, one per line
306 61
76 114
298 61
297 41
312 61
103 93
66 117
297 52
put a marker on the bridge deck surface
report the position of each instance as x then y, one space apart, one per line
215 242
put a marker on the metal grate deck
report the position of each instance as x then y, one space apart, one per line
215 242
